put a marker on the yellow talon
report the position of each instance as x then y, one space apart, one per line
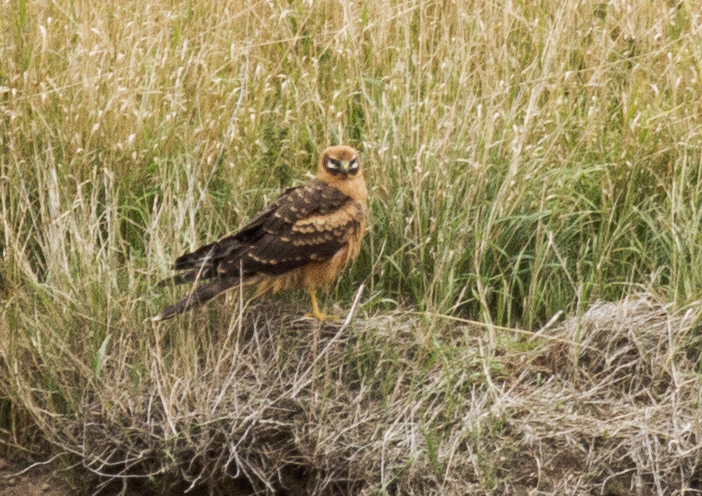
316 313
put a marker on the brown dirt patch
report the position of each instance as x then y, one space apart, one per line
38 481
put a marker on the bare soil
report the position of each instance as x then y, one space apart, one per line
39 481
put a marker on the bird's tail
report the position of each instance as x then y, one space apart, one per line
191 276
197 297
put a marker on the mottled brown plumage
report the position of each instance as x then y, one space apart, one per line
303 240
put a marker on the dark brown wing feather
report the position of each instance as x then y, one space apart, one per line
256 247
299 242
304 224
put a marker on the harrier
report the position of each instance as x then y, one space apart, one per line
302 241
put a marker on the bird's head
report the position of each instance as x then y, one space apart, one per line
341 162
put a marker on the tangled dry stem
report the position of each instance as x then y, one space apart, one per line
606 403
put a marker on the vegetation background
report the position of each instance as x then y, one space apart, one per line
527 160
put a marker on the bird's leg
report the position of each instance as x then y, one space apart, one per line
316 313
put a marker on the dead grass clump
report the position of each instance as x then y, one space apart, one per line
632 347
610 401
269 400
394 403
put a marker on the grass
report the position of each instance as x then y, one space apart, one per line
523 159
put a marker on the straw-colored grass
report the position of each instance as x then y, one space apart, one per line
525 160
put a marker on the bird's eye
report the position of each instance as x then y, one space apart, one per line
333 164
353 164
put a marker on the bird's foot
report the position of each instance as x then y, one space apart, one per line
322 317
317 313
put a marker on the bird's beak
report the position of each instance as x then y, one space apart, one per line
345 167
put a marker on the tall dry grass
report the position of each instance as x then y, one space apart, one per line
524 158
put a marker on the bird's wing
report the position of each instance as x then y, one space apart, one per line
304 224
204 260
312 224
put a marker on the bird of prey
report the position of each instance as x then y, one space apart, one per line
301 241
